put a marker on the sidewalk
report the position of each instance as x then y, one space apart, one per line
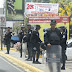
39 66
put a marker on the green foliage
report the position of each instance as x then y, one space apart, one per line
54 1
17 26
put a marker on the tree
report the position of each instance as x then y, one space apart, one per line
54 1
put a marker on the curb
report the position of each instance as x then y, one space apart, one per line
13 49
10 49
20 63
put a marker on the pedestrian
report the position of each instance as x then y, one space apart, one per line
35 39
52 40
21 35
63 45
8 39
29 44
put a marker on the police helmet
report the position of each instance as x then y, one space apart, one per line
53 22
28 25
62 27
38 27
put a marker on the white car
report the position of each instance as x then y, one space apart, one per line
69 49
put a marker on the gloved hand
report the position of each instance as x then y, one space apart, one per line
34 48
43 46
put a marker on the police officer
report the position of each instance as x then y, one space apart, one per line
45 31
52 41
63 45
29 44
35 39
21 35
43 46
8 39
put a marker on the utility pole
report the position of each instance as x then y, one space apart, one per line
1 38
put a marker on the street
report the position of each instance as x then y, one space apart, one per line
6 66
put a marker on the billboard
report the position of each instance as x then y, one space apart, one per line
14 10
41 8
45 22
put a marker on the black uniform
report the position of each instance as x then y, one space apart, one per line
53 37
7 40
35 44
29 44
21 35
63 45
53 40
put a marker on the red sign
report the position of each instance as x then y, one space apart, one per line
29 6
35 19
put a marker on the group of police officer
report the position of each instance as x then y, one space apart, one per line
33 42
54 41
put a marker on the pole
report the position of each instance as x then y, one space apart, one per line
1 38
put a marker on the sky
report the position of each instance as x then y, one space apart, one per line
1 3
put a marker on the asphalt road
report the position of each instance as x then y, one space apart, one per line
6 66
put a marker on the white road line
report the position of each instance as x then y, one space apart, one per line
12 65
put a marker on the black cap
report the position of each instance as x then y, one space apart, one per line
62 27
53 22
38 27
28 25
8 27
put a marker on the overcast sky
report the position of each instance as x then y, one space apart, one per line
1 3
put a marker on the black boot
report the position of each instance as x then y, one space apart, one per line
63 68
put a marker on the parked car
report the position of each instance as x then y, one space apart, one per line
69 49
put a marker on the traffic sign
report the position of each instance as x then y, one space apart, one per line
2 21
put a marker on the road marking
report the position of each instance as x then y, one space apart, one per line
12 65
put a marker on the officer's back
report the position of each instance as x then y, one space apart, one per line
35 36
29 33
